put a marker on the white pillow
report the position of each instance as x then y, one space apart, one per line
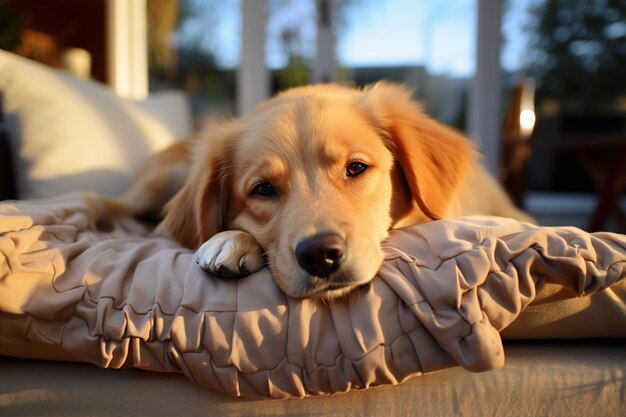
69 134
171 107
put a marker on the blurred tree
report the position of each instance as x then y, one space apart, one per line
163 17
578 53
297 70
11 25
189 49
181 45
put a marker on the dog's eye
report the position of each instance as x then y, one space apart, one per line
355 168
264 190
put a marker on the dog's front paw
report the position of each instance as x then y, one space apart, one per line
229 254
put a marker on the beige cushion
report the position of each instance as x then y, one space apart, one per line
575 378
69 134
112 294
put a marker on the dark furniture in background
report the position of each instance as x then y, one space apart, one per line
588 154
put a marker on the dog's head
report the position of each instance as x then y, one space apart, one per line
318 175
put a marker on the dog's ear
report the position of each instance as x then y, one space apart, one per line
432 157
197 211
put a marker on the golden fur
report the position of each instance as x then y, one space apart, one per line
250 190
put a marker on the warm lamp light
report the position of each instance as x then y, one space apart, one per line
527 119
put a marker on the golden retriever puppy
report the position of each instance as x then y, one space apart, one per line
310 182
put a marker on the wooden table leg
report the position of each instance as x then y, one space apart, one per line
610 182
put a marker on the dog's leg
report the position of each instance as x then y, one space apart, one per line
156 181
232 253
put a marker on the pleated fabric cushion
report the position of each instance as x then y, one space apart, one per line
116 295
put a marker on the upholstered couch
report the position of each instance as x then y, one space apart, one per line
564 355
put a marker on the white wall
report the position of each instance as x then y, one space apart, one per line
253 78
127 47
485 101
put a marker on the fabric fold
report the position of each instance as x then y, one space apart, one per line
116 295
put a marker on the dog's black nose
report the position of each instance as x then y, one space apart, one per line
321 255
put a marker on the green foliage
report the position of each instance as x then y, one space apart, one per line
296 73
10 26
579 53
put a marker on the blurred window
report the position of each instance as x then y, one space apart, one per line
575 51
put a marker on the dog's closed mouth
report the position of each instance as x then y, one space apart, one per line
330 290
327 288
